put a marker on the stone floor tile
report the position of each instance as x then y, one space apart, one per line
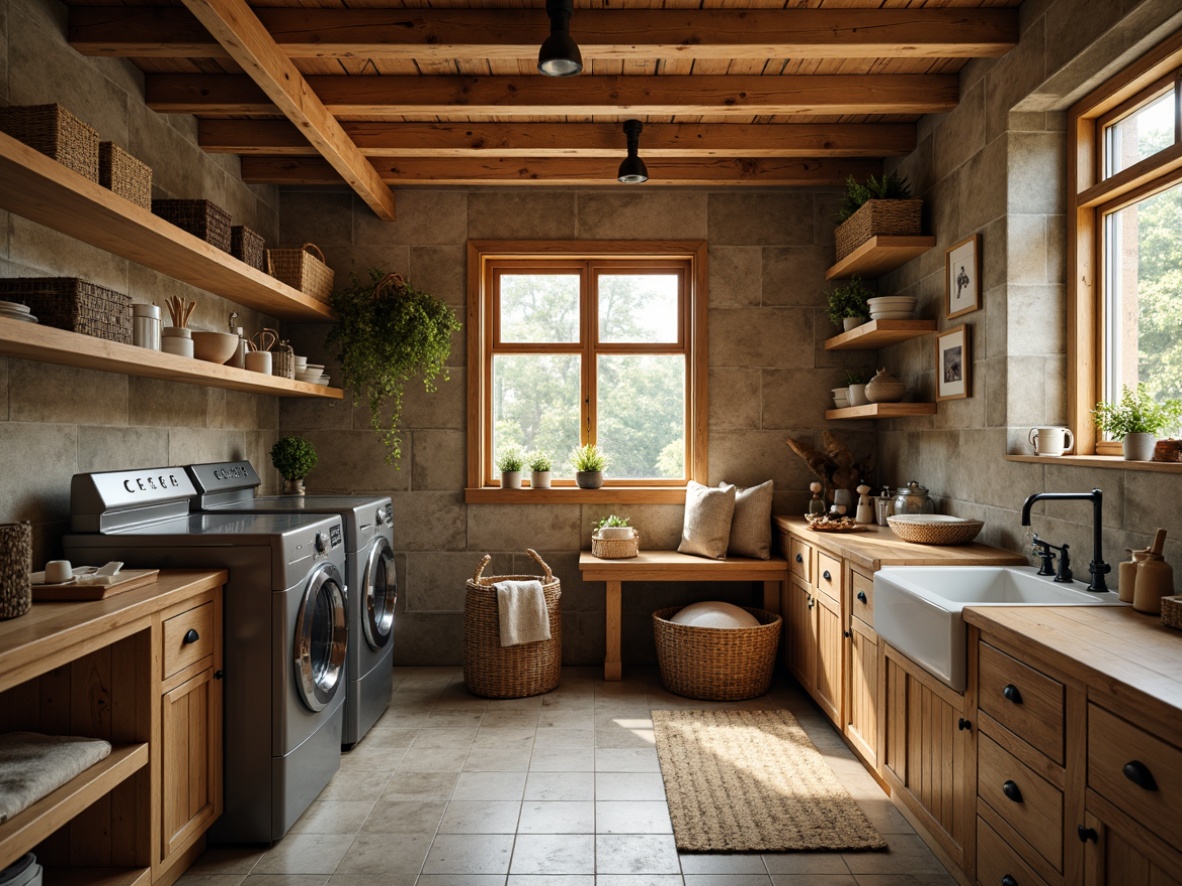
433 759
191 879
558 737
633 817
569 786
722 863
553 854
626 760
373 880
443 719
404 816
505 737
386 854
489 786
227 860
355 786
446 737
558 718
333 817
814 880
557 817
480 817
805 863
496 759
728 880
944 879
399 737
286 880
560 760
304 854
629 786
459 880
419 785
551 880
636 854
639 880
510 719
469 854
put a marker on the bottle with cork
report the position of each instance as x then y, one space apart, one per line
1154 578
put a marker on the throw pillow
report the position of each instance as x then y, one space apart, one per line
707 525
751 527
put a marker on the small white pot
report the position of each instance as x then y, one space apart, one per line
857 395
1139 447
848 323
259 361
539 479
510 479
616 532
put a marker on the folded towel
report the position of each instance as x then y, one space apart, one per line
33 765
521 606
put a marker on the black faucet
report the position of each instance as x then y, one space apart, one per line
1098 568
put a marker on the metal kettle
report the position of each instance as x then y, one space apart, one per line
913 499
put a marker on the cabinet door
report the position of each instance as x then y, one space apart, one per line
827 673
861 706
801 651
191 760
1123 855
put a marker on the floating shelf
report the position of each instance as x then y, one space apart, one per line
882 410
878 255
32 341
879 334
43 190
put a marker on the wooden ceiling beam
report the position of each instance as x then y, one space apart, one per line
452 97
508 34
280 138
567 171
275 75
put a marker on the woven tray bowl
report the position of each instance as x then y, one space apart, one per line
934 529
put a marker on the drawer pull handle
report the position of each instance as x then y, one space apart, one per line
1012 694
1012 791
1138 773
861 596
825 575
799 559
962 724
1086 834
191 636
1007 880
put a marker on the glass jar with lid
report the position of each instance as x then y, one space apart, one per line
913 499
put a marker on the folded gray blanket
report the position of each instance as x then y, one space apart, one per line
33 765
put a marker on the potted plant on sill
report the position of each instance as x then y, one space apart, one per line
847 302
1136 420
509 463
293 457
589 464
878 206
539 470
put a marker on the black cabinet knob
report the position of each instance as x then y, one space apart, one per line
846 634
861 596
1011 693
825 575
191 636
962 724
1085 834
217 675
1012 791
812 601
799 559
1007 880
1138 773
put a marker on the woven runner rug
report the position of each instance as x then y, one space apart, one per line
751 781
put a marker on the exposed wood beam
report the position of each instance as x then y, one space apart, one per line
241 33
280 138
508 34
566 171
449 97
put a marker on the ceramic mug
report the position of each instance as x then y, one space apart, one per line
1051 441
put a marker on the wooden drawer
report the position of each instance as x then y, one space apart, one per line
996 860
1120 755
862 597
828 577
1026 801
1025 701
182 648
800 559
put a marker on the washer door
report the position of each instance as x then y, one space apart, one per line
381 595
320 639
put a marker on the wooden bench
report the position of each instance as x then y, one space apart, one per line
672 566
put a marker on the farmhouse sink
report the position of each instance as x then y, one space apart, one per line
918 609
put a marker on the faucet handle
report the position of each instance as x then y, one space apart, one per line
1041 548
1064 574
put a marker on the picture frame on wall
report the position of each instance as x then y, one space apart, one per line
954 364
962 277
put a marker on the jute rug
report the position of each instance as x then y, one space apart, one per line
751 781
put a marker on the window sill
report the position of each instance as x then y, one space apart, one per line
571 495
1100 461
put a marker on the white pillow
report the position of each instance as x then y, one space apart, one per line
707 526
751 527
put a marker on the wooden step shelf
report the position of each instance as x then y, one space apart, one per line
882 410
32 341
43 190
878 334
881 254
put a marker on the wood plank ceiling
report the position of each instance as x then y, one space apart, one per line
380 93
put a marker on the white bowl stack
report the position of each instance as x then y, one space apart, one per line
313 374
892 307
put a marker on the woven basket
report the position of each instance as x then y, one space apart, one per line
56 133
948 532
248 246
201 218
875 217
497 671
302 270
1171 612
74 305
124 175
615 548
717 664
16 562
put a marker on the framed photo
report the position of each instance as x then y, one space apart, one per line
962 277
954 364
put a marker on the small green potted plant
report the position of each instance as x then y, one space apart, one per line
539 470
847 302
589 464
613 526
510 462
1136 420
293 457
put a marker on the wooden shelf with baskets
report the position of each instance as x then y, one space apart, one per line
43 190
878 334
882 410
880 254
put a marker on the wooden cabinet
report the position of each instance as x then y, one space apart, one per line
800 650
862 704
813 648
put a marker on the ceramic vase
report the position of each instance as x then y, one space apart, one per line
1138 447
510 479
885 388
589 479
539 479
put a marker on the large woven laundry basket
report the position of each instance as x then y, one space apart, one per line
497 671
717 664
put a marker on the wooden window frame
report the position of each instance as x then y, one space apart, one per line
587 255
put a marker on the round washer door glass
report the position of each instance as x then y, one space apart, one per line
381 595
320 640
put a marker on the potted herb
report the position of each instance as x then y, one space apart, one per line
509 463
386 332
847 303
539 470
856 379
613 526
877 206
293 457
1136 420
589 464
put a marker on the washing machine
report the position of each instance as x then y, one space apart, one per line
369 572
285 630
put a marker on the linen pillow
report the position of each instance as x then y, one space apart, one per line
751 527
707 525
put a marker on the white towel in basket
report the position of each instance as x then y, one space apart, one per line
521 608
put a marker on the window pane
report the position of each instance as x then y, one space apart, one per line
638 308
641 415
535 401
539 307
1143 310
1139 135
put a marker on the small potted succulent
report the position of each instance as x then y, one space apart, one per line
614 527
1136 420
589 464
539 470
509 463
293 457
847 302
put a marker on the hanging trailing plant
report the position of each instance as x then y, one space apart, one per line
386 332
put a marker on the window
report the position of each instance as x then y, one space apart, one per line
1125 218
575 343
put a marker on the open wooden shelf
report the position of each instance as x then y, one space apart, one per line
32 341
878 255
879 334
38 188
882 410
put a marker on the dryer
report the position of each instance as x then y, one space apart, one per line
369 572
285 630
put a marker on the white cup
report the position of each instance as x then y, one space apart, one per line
259 361
57 571
1051 441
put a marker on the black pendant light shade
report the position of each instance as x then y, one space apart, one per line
559 55
632 170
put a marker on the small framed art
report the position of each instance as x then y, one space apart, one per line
962 277
954 364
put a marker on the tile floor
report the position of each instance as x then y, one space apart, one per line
562 789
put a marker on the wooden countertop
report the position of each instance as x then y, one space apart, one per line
877 546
